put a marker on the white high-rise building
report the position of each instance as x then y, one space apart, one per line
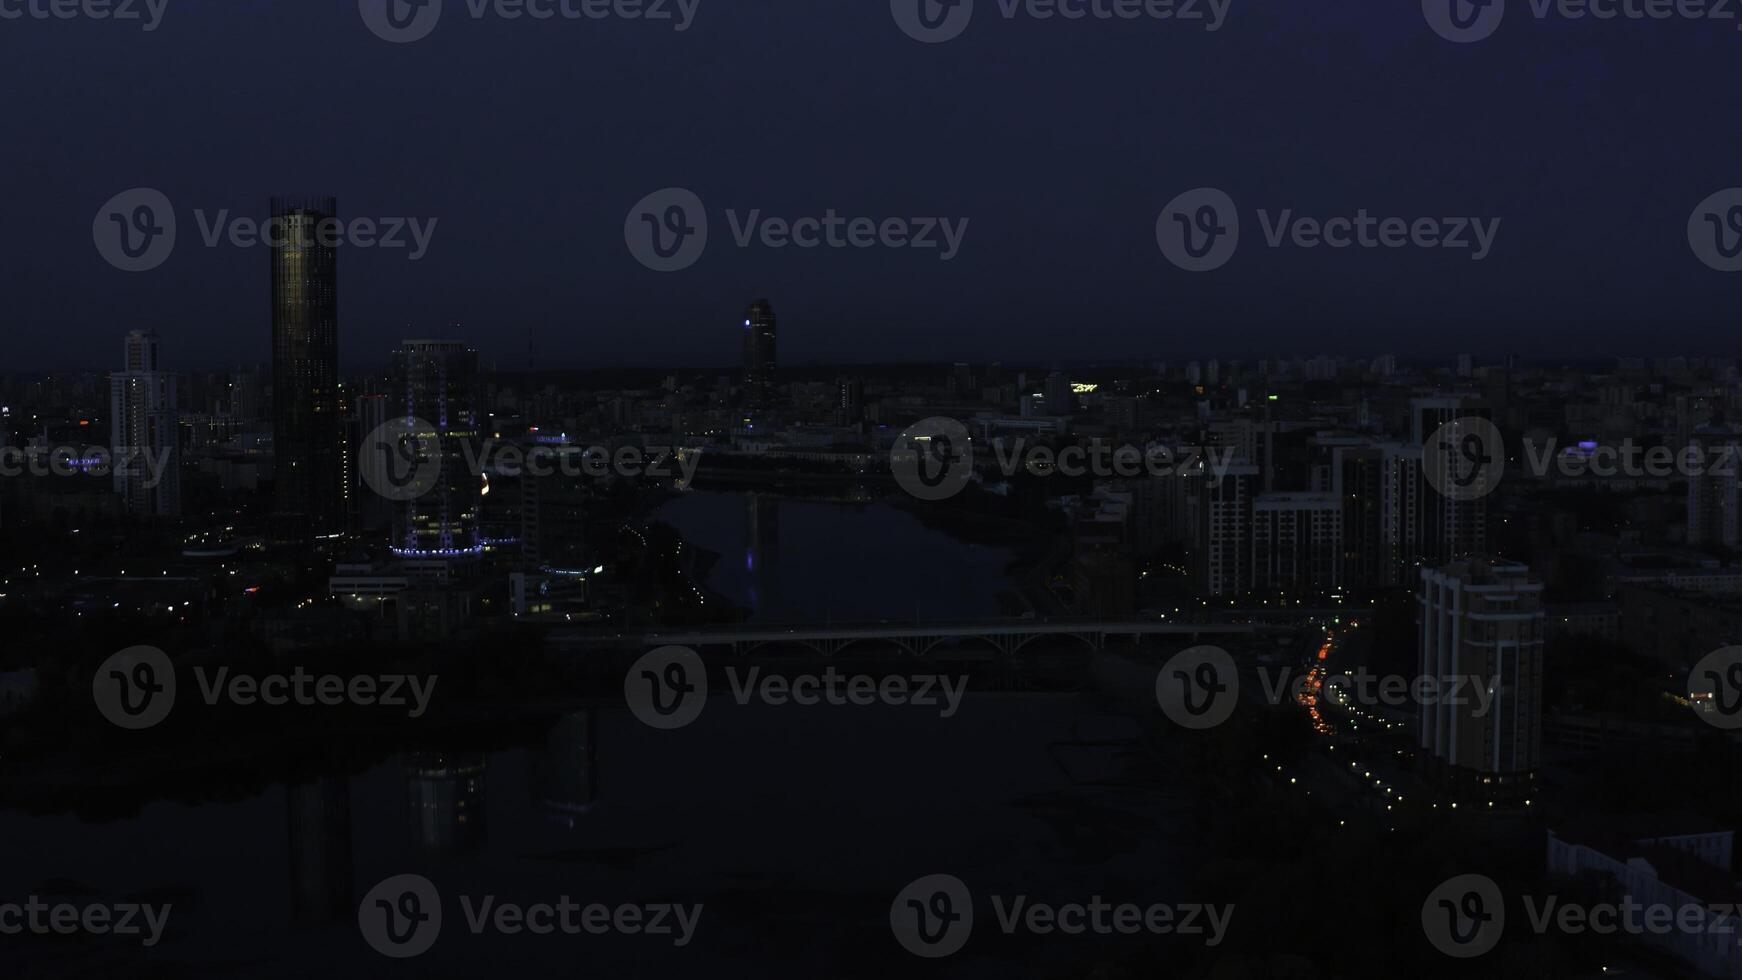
1482 623
1224 524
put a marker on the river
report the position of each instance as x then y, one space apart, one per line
791 560
793 827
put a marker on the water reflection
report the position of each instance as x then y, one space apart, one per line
565 779
318 815
446 800
791 560
1046 791
762 547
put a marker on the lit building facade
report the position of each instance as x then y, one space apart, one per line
1297 543
760 354
1222 551
437 384
307 427
143 428
1482 623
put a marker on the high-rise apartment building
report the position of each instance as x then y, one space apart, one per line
1715 491
1296 543
1482 624
1445 528
370 513
144 435
1061 398
1354 475
1222 549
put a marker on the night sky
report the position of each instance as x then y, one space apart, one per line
1061 142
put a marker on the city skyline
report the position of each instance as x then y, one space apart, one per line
1399 574
986 488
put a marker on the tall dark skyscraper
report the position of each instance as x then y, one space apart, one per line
759 353
437 383
365 414
850 403
306 425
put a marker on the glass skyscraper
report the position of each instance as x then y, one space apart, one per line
306 426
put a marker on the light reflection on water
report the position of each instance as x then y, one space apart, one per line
775 818
793 561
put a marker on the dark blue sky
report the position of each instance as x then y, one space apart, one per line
1061 142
